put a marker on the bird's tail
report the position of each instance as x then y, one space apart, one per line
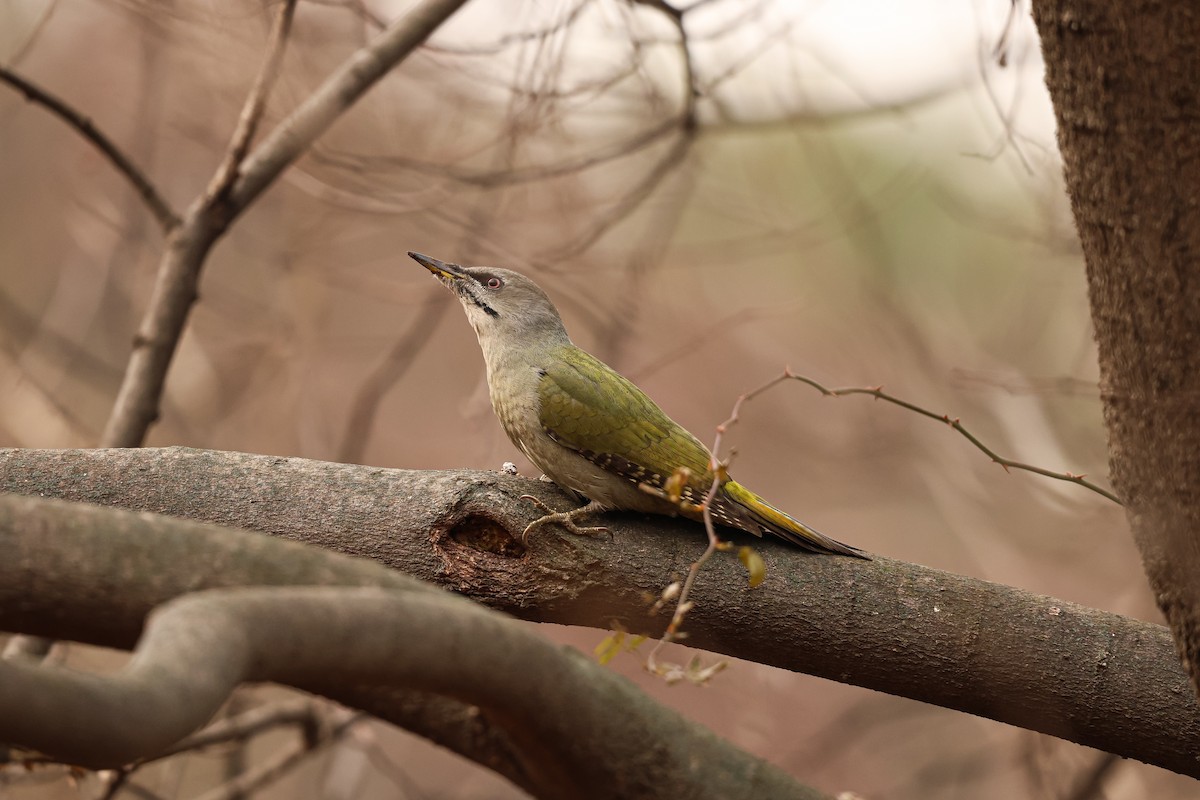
771 520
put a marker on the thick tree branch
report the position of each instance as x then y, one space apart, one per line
195 649
171 559
1088 676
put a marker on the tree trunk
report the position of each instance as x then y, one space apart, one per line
1125 81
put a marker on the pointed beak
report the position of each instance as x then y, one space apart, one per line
447 273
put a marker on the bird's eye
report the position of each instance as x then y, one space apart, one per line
494 283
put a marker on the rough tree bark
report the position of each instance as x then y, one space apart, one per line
1084 675
1124 79
551 720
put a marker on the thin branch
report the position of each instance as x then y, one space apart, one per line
247 725
878 393
16 57
343 88
511 175
684 604
630 201
732 126
692 339
280 764
256 103
167 219
394 365
175 288
1090 783
523 37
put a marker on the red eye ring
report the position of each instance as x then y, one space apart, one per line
494 283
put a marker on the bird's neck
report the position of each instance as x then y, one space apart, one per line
513 376
521 351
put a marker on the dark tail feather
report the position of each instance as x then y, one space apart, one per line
772 520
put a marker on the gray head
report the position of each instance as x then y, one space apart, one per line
501 304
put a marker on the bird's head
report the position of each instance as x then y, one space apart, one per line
501 304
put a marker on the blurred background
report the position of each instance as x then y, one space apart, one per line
866 192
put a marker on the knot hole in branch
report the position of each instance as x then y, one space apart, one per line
480 532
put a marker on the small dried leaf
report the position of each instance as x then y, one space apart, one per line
754 564
699 674
609 647
676 484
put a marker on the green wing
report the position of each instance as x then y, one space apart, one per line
591 409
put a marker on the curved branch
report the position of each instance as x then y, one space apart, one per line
162 211
197 648
1084 675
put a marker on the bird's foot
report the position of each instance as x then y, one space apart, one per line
564 519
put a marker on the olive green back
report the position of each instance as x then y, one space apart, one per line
590 408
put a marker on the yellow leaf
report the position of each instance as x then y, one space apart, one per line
676 484
754 564
609 646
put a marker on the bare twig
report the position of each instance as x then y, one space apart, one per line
506 41
683 605
691 87
282 762
247 725
718 467
174 293
1091 782
509 175
1010 135
256 103
358 8
1000 50
628 203
389 371
16 57
343 88
1008 463
166 217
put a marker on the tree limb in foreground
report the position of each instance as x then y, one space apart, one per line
1084 675
571 727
